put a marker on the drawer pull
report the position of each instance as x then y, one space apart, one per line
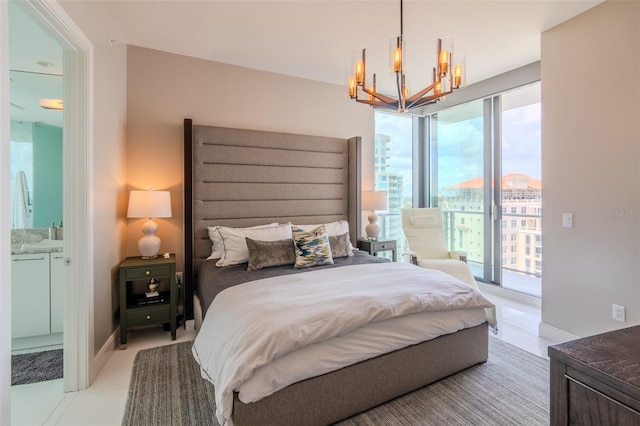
147 272
383 246
27 260
148 317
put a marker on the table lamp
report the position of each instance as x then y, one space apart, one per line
373 200
149 204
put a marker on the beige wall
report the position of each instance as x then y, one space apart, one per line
164 88
108 166
591 168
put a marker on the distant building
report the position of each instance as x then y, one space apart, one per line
390 222
521 223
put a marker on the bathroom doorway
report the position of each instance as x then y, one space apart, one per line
36 169
77 156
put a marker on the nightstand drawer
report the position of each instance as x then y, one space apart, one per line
147 272
149 315
384 246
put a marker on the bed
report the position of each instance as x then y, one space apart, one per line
237 178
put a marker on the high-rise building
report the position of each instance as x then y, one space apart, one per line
390 222
521 225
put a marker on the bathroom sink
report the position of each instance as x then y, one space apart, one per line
44 244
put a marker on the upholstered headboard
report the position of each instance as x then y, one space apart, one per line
237 177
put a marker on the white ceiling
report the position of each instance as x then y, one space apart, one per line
315 39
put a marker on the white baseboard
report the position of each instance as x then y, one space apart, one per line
103 355
554 334
510 294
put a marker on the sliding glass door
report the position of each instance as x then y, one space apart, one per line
485 175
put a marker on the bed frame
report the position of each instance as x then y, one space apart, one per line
236 177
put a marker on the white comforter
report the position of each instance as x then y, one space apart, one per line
250 325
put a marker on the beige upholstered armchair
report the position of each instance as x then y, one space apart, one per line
427 247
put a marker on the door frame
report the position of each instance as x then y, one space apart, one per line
77 200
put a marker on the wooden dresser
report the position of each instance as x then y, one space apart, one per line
596 380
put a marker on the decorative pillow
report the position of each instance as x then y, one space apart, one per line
336 228
312 247
217 249
340 246
264 254
235 246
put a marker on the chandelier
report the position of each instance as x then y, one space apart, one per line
448 75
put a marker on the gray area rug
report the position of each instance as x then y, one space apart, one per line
511 388
36 367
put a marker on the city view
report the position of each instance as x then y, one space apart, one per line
458 187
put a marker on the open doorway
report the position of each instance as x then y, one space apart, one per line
37 233
77 156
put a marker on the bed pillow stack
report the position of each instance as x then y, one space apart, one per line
233 244
274 244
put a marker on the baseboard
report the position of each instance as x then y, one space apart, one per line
510 294
103 355
554 334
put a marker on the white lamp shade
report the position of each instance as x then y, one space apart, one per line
149 204
374 200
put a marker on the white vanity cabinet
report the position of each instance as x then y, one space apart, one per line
30 295
37 294
57 291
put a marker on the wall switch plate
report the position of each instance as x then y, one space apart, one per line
618 313
179 277
567 220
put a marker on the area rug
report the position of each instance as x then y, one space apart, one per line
36 367
512 387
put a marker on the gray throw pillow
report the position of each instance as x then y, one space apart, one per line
340 245
264 254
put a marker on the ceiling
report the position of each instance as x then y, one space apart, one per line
316 39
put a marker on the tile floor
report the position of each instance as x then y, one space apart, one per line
103 403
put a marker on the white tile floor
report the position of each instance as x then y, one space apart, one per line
103 403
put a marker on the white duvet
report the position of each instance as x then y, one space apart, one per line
258 337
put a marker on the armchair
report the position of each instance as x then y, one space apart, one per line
427 247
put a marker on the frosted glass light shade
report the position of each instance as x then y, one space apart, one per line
149 204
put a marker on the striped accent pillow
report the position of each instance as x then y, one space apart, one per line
312 247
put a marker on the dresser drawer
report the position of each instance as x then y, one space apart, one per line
384 246
149 315
147 272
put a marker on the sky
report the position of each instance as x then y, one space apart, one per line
460 145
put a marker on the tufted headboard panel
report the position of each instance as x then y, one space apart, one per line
237 177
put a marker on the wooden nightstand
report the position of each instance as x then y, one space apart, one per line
374 247
135 310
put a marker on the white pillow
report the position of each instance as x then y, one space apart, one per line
334 229
235 246
217 250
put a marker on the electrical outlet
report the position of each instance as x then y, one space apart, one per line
179 277
190 324
618 313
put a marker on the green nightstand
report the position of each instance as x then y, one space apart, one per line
136 309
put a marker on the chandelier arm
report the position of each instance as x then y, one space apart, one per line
429 99
381 97
375 103
420 94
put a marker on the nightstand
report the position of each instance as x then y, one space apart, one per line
374 247
138 310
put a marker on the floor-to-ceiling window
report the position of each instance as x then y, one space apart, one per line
485 174
483 170
393 171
